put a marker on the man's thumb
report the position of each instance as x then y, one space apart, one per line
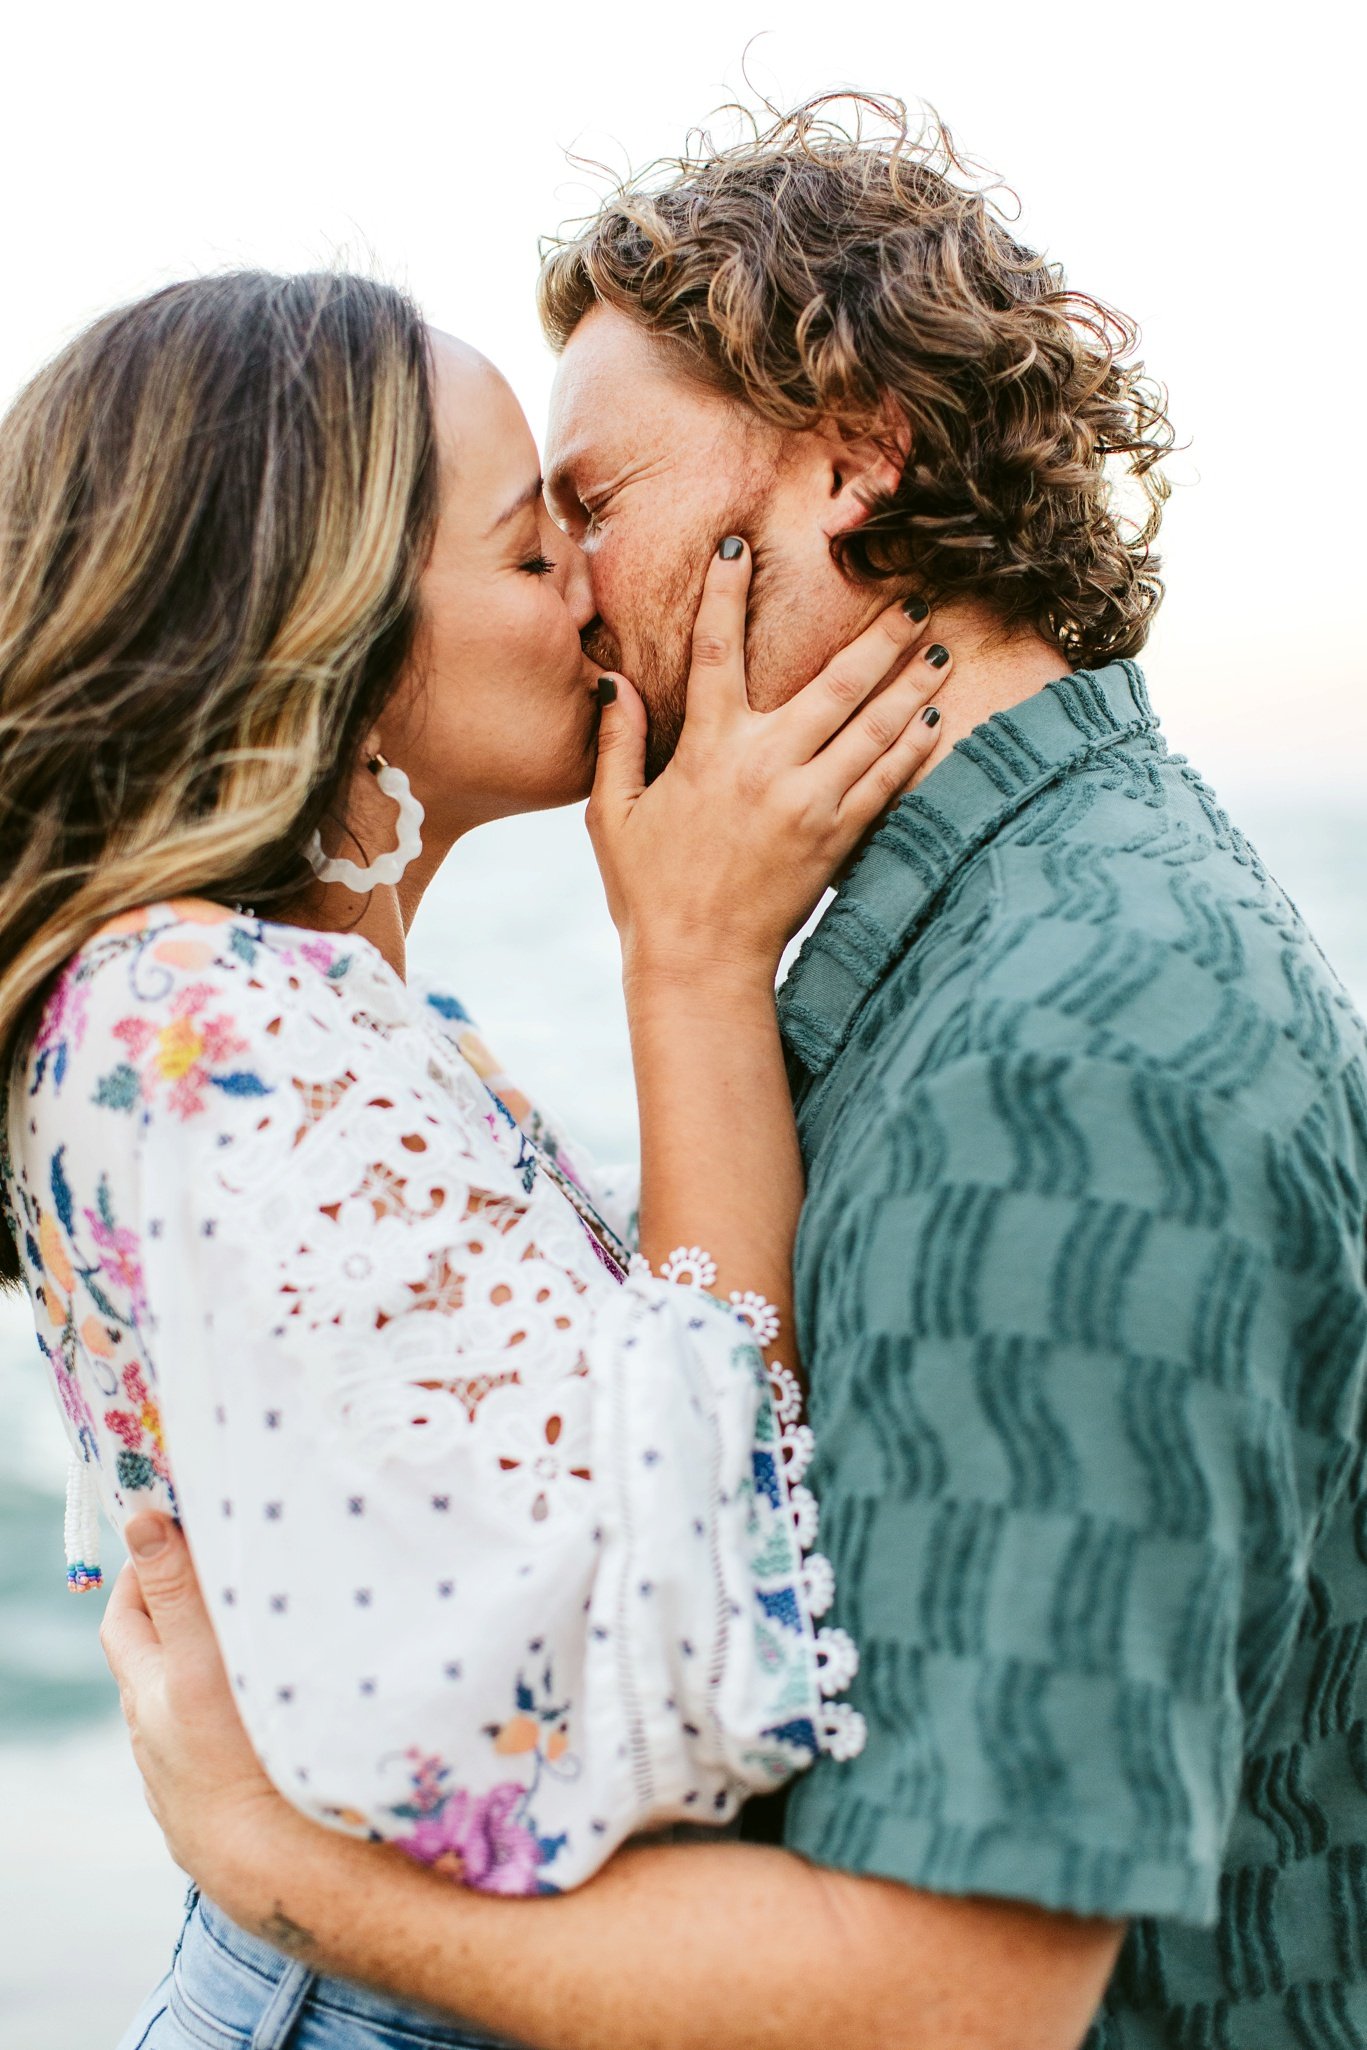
166 1576
621 772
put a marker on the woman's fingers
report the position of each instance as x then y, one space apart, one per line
827 703
883 720
888 775
716 675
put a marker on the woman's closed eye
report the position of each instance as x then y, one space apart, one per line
538 566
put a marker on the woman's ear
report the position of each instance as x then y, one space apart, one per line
861 471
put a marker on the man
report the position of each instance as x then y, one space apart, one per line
1080 1282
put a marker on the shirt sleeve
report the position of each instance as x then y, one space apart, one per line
1050 1348
499 1552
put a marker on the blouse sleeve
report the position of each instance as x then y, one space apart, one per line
502 1554
612 1192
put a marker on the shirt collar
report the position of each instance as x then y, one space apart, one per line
934 831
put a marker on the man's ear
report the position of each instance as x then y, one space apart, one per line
861 470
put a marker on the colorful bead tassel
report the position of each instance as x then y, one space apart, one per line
82 1527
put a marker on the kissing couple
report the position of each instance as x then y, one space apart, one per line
1023 1232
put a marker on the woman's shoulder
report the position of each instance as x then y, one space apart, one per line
174 1005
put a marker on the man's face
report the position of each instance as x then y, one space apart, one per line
648 469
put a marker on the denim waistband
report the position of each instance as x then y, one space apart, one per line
231 1991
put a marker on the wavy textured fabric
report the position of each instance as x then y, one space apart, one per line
1081 1292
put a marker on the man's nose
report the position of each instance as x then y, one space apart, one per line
579 592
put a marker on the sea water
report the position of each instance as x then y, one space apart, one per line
515 926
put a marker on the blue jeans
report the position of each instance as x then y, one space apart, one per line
229 1991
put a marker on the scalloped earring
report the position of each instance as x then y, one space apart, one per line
386 868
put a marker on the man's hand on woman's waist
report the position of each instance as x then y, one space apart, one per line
729 1946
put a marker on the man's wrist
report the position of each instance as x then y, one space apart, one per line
255 1870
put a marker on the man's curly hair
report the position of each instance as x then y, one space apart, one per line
853 277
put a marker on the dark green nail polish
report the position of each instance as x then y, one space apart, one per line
730 548
607 690
916 608
937 656
931 715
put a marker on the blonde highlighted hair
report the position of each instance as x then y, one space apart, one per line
215 507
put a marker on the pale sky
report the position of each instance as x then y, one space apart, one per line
1196 163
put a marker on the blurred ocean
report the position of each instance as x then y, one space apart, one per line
89 1901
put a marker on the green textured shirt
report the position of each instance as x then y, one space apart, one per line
1080 1287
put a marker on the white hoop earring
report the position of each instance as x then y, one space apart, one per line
387 868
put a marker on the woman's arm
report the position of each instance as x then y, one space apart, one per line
708 874
691 1947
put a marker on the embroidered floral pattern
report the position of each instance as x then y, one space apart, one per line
143 1458
491 1840
119 1250
61 1028
179 1056
474 1838
404 1345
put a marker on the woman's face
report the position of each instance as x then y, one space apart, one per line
500 714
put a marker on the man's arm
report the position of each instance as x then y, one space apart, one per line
722 1946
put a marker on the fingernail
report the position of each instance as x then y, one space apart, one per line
731 547
607 690
145 1536
931 715
937 656
916 608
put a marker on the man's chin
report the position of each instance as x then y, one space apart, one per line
660 746
664 703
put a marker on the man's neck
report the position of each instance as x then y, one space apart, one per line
992 671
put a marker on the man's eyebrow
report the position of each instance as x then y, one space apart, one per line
530 495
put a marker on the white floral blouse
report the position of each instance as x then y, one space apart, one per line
503 1546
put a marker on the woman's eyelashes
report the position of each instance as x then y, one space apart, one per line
538 566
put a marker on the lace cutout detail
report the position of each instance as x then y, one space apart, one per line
760 1315
393 1255
249 1155
690 1267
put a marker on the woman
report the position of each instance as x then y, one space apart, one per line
504 1548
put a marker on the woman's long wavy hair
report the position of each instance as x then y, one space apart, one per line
215 507
850 274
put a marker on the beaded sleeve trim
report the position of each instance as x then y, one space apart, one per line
839 1730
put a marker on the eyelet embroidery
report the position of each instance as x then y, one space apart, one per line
760 1315
690 1267
440 1305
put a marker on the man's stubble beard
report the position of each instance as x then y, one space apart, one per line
658 660
777 618
661 677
